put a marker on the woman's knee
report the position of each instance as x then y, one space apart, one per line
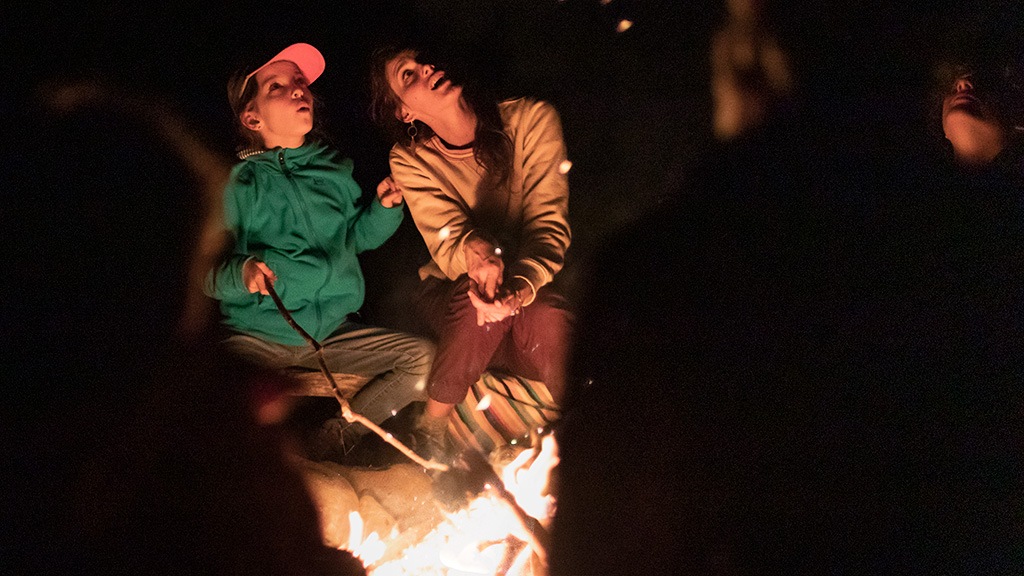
547 322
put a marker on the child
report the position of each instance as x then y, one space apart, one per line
298 223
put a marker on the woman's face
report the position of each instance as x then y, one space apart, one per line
423 92
282 111
970 124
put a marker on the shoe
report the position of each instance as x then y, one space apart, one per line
430 440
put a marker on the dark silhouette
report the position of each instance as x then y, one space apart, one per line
808 361
129 446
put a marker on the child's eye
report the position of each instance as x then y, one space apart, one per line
406 74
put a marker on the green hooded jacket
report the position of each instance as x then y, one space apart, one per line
299 211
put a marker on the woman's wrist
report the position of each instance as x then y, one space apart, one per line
515 303
523 289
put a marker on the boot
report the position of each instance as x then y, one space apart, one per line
334 440
431 438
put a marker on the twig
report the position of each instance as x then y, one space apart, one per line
346 410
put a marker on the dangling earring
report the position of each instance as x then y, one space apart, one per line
412 131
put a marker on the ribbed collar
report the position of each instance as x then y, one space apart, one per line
436 143
243 154
293 157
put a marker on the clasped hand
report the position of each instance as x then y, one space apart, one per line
486 270
506 304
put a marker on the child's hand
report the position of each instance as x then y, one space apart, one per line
389 193
256 275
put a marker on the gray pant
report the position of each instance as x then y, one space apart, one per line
396 362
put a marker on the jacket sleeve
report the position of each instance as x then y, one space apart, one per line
441 217
374 223
545 235
224 281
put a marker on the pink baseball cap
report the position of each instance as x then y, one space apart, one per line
309 60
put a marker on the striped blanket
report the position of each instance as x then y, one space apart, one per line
499 410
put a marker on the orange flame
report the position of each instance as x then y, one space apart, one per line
485 537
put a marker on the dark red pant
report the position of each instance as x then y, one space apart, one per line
533 344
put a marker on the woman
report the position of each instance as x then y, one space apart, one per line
485 184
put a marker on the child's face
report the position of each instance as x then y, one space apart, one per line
282 111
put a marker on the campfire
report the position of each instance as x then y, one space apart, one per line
500 530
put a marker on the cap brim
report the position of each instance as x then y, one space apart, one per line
309 60
305 56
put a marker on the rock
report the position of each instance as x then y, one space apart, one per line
396 499
405 491
333 496
375 518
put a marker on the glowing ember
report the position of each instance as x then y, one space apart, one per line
564 167
624 25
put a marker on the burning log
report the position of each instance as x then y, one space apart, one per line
471 475
486 529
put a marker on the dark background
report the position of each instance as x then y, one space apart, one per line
635 105
636 115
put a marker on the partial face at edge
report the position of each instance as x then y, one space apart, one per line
970 124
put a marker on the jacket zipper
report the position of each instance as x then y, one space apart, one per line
311 231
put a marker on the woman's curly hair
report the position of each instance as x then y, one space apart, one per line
492 147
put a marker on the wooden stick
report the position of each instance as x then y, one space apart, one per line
346 409
539 538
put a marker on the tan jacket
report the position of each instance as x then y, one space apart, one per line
442 188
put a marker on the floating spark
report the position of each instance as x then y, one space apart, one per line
484 404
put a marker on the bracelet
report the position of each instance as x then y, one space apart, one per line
530 284
518 303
